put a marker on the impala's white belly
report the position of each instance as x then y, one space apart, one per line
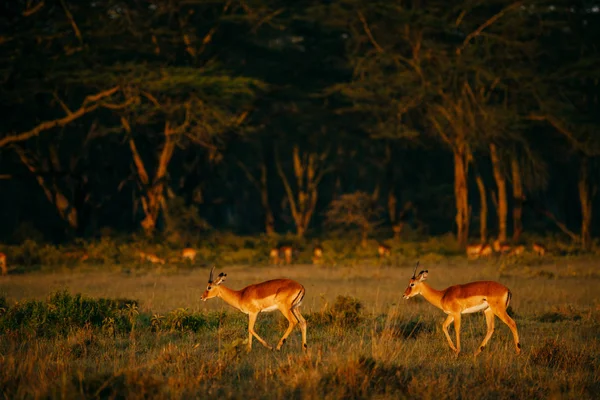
476 308
269 309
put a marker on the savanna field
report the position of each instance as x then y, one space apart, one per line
114 327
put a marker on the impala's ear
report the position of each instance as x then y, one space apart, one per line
220 278
423 275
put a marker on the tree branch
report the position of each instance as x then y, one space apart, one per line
85 108
368 32
487 23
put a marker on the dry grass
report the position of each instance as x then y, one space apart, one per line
389 348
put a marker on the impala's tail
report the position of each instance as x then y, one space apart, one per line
508 297
299 297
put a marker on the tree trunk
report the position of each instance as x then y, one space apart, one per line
461 194
153 192
391 203
308 175
501 202
483 210
66 209
264 199
586 205
518 199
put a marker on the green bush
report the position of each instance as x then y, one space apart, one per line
62 312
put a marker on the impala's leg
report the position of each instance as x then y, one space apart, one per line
302 323
503 315
489 319
445 326
457 329
251 333
289 315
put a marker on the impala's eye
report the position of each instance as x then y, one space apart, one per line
208 288
412 284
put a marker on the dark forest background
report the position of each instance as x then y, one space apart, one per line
188 117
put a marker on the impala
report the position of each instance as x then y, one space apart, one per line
501 247
383 250
490 297
188 254
486 251
274 256
287 253
3 264
539 249
284 295
151 258
317 254
517 250
473 250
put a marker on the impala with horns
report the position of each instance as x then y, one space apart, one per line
490 297
284 295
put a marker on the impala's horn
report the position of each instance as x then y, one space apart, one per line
210 278
415 271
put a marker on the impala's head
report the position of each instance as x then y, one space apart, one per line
212 288
414 285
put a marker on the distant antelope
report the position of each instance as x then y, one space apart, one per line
501 247
151 258
317 255
188 254
488 296
3 264
284 295
287 252
474 250
517 250
384 250
486 251
274 256
539 249
79 255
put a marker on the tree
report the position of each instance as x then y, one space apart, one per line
357 209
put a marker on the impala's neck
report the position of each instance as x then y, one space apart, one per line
230 296
431 295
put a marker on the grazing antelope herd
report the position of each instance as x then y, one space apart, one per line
480 250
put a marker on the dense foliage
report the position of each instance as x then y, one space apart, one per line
173 117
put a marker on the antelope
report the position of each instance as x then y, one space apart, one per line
287 253
284 295
151 257
383 250
501 247
486 251
490 297
188 254
78 255
3 264
517 250
317 254
274 256
539 249
474 250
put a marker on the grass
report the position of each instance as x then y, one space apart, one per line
144 333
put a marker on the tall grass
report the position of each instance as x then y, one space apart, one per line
364 340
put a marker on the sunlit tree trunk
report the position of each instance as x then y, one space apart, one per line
500 201
483 209
153 190
461 193
518 196
308 172
585 198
